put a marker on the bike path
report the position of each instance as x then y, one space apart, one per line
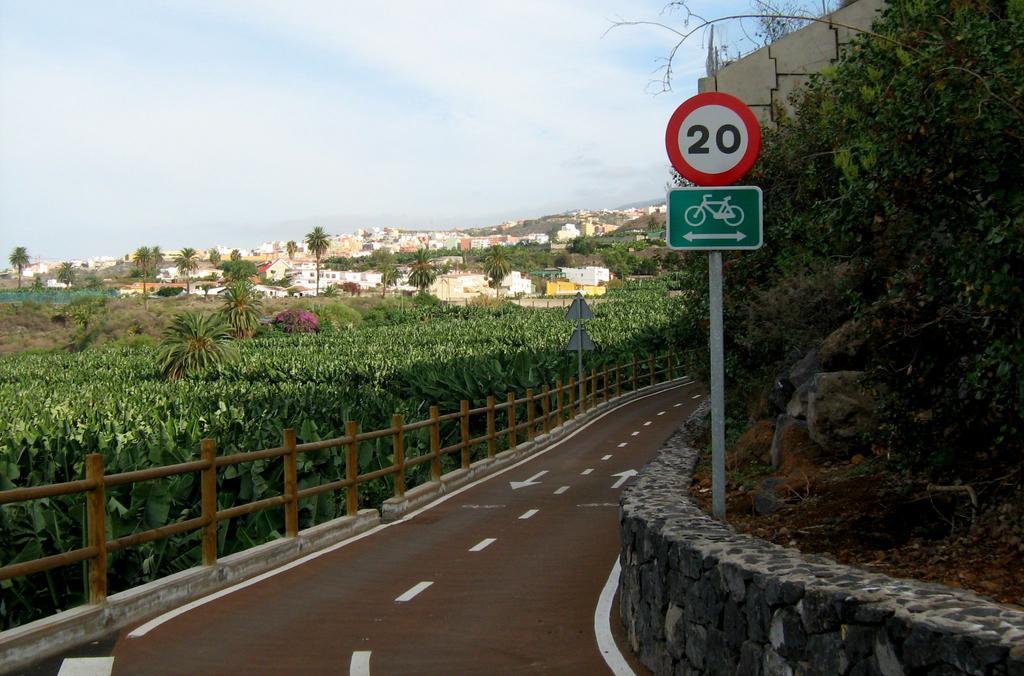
491 580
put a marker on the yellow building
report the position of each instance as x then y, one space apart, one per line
563 287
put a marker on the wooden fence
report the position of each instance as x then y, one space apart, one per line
557 404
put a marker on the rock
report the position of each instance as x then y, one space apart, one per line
674 639
754 446
750 659
787 634
844 348
782 391
840 412
767 500
774 665
797 406
792 446
885 656
792 378
805 369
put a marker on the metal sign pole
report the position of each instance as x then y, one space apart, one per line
579 328
717 387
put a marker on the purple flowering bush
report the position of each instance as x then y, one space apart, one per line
297 321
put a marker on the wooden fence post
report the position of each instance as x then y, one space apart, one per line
291 484
650 367
208 484
490 427
435 444
545 408
510 415
607 385
398 448
670 372
352 468
572 397
97 528
618 379
464 427
558 404
531 431
636 385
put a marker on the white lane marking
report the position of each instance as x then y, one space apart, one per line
360 665
606 457
528 513
647 424
623 444
697 396
416 589
661 413
144 629
635 434
624 477
483 544
587 471
532 481
603 626
677 405
86 666
482 506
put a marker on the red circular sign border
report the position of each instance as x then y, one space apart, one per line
675 123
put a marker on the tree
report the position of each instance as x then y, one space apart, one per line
143 258
497 266
317 242
187 262
388 277
214 257
292 248
423 273
66 274
195 341
19 260
236 271
241 308
235 255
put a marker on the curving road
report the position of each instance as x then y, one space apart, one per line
502 576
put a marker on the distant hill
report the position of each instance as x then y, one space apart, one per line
641 205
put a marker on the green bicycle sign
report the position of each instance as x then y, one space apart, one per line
701 219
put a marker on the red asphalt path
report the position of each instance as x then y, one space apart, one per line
524 602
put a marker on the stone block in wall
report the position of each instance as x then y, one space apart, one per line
859 14
805 51
750 79
707 84
782 95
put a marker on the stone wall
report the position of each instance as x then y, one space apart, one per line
696 597
764 79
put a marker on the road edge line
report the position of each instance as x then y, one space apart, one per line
603 626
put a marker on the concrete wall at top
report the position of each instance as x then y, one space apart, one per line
766 78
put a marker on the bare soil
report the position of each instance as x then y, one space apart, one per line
865 513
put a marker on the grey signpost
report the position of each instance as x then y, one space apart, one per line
713 139
579 312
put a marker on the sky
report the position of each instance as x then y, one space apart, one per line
205 122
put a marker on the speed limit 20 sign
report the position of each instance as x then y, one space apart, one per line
713 139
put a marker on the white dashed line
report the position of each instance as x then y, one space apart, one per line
635 434
360 665
606 457
677 405
561 490
483 544
411 594
697 396
647 424
623 444
661 413
587 471
528 513
86 666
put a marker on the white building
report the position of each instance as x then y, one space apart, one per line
567 232
537 238
588 276
516 283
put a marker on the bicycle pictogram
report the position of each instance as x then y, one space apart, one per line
720 210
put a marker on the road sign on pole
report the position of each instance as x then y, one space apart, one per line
703 219
713 139
579 312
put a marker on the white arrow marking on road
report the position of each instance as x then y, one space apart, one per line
483 544
528 513
606 457
411 594
624 477
559 491
690 236
532 481
587 471
360 665
624 444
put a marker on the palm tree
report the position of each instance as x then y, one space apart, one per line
214 257
19 259
66 274
194 341
241 308
292 248
317 243
187 261
497 266
158 258
143 258
388 277
423 273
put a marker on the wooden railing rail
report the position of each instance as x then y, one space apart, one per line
537 411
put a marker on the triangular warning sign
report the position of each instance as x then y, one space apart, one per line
579 340
579 309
